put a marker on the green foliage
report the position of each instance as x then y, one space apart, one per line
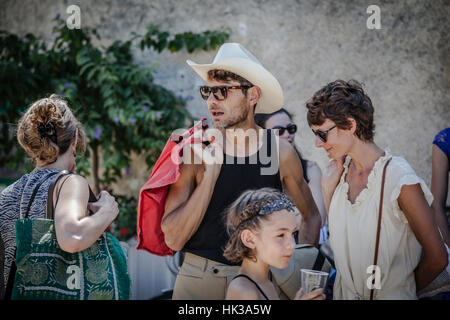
162 40
121 108
124 227
116 100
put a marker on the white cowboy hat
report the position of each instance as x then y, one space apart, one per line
235 58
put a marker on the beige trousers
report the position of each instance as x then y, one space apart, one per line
203 279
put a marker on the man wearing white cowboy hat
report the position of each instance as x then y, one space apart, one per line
236 86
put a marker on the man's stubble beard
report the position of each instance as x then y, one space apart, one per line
233 122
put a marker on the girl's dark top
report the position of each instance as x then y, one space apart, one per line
210 239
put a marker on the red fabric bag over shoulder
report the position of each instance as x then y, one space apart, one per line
152 196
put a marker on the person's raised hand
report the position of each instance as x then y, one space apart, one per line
332 174
105 202
313 295
209 151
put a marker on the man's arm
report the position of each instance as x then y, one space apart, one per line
186 203
330 179
291 174
314 184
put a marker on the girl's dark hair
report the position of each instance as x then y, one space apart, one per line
340 100
261 119
47 129
243 214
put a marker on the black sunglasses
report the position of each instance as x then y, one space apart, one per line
323 134
291 128
219 92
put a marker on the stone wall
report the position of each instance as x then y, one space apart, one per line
405 65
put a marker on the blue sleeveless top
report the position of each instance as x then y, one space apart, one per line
442 140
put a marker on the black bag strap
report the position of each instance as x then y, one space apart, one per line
320 259
325 250
50 208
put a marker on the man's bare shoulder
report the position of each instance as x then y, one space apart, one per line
190 166
192 170
286 149
190 159
288 155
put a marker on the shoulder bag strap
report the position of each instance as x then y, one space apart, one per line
13 268
33 195
50 208
320 259
377 243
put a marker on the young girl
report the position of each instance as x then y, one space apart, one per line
261 224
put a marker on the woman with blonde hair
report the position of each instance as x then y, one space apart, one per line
52 136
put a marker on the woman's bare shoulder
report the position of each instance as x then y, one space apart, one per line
72 180
72 184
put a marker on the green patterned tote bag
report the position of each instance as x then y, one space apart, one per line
45 272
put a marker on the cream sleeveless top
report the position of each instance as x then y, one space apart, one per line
353 227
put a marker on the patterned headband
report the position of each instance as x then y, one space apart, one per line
263 207
277 205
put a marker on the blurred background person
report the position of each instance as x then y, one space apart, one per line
439 181
283 121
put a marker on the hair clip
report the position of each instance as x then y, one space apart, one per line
48 131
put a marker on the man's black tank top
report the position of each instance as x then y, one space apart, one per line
211 237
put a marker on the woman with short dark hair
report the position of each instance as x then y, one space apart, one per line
341 116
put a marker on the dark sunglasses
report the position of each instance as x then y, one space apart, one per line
219 92
323 134
291 128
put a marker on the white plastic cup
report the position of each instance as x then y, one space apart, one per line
312 280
